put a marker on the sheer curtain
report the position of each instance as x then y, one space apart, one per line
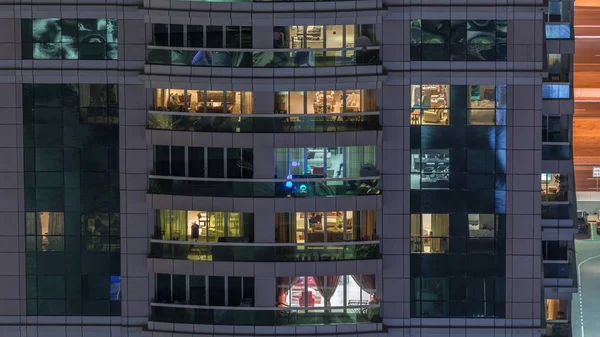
440 229
284 284
326 285
178 225
366 283
367 225
285 230
163 224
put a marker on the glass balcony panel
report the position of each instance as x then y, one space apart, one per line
262 189
558 31
270 124
253 253
266 59
556 151
269 317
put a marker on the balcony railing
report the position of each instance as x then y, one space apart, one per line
269 58
261 0
557 269
556 151
263 252
274 123
256 316
264 188
560 211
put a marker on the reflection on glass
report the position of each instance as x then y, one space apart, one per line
429 233
556 91
430 169
558 31
430 104
70 39
430 297
458 40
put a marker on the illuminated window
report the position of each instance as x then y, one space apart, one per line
429 233
555 187
430 169
430 104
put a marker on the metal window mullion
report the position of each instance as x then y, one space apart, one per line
226 286
324 224
206 163
187 289
186 160
224 37
171 285
169 34
206 291
185 39
170 159
345 290
225 162
226 223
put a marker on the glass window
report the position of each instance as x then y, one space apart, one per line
195 36
302 227
557 310
214 37
91 39
334 36
163 288
430 169
555 187
326 291
430 233
555 128
233 38
556 251
430 105
431 295
458 40
351 161
176 35
246 37
202 226
198 290
482 226
558 31
556 91
482 105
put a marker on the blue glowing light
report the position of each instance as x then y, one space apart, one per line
288 184
303 188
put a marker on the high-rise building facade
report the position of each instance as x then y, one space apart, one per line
187 168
